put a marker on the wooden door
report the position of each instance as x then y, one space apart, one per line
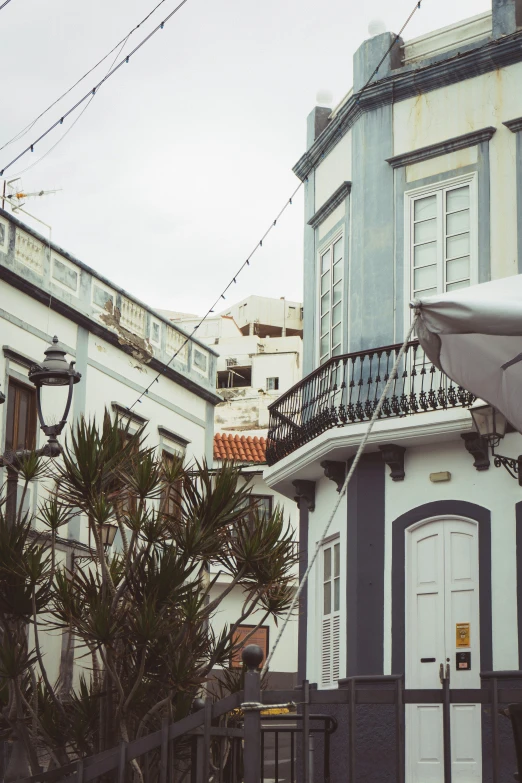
442 600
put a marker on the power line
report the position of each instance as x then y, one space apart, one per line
272 225
32 165
123 41
126 59
4 4
220 297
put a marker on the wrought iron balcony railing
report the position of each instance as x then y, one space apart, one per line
346 390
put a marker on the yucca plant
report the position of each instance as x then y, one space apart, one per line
138 620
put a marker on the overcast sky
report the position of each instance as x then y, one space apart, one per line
185 156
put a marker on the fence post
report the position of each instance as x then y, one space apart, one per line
196 741
446 726
252 656
306 732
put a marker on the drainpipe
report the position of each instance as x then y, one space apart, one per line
283 330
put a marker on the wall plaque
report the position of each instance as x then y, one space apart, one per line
462 635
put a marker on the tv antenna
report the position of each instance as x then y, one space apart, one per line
15 195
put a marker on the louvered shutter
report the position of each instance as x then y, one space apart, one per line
326 653
336 634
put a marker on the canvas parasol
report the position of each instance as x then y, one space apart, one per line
474 335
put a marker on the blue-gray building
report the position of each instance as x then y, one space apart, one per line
413 185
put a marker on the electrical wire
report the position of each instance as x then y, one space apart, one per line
78 103
220 297
260 243
123 41
36 162
4 4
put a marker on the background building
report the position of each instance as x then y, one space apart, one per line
257 361
413 186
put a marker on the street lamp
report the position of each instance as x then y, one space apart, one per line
491 424
107 534
54 371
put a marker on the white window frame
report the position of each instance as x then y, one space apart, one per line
334 616
321 251
409 198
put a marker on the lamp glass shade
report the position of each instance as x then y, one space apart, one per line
54 370
489 422
107 534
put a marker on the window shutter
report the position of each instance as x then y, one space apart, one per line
326 662
336 623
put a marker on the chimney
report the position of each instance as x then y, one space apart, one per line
368 56
316 122
507 17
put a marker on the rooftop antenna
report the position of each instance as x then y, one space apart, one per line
15 194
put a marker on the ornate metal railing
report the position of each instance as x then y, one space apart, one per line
347 389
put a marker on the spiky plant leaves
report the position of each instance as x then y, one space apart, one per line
139 621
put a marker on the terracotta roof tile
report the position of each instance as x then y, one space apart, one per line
241 448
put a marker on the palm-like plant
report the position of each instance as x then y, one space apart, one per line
138 620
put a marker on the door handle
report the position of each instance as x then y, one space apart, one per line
444 675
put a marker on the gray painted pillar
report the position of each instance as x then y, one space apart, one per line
209 433
365 568
82 355
302 632
372 284
316 122
507 16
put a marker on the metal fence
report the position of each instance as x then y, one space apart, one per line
346 390
198 750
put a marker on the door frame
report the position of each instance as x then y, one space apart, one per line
455 509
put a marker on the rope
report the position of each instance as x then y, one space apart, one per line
341 494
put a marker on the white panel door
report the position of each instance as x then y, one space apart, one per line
441 592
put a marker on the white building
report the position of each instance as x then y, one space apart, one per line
413 185
119 345
256 363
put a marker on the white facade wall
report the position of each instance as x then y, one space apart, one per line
266 310
285 656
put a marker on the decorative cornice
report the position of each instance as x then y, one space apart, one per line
335 471
413 430
77 317
514 125
329 205
408 82
305 492
19 358
442 147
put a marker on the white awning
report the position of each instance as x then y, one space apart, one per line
474 335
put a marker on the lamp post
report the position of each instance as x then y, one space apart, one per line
491 424
54 371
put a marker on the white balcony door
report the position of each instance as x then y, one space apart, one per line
442 600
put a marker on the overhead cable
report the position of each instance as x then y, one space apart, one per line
260 243
4 4
93 91
123 41
218 300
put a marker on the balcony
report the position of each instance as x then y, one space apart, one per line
346 391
